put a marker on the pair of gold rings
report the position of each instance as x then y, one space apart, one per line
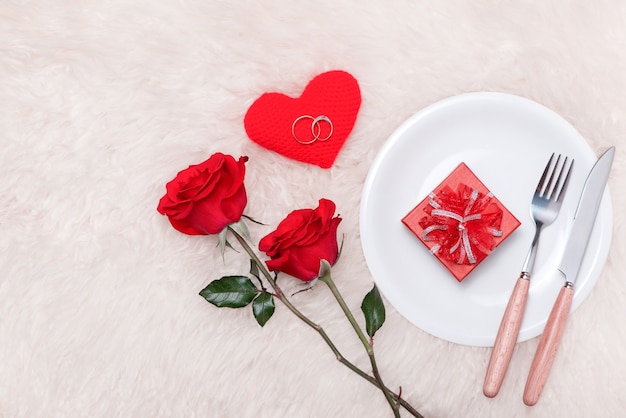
316 129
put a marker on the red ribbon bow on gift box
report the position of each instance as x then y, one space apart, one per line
464 224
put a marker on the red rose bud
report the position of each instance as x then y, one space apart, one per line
302 240
205 198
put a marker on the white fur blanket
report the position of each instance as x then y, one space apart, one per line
102 102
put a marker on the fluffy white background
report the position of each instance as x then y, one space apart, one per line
102 102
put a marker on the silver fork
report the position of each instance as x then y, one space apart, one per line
544 208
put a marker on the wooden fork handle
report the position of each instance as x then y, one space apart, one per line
548 345
506 338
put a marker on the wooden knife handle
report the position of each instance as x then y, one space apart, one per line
506 338
548 345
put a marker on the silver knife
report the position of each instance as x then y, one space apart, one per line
584 219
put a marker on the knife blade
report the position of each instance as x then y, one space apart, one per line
584 219
585 216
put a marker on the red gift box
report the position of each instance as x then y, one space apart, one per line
461 222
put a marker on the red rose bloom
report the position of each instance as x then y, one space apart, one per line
205 198
302 240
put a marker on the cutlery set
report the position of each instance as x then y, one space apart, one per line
545 207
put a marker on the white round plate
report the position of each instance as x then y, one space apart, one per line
506 141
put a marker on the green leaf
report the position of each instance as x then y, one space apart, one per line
374 311
230 292
254 271
263 308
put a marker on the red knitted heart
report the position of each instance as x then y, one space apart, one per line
273 119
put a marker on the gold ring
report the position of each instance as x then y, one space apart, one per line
293 130
316 122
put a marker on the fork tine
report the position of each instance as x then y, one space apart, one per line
554 192
549 187
566 181
543 176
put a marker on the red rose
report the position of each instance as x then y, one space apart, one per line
205 198
302 240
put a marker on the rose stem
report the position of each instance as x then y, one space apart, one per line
318 328
326 278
